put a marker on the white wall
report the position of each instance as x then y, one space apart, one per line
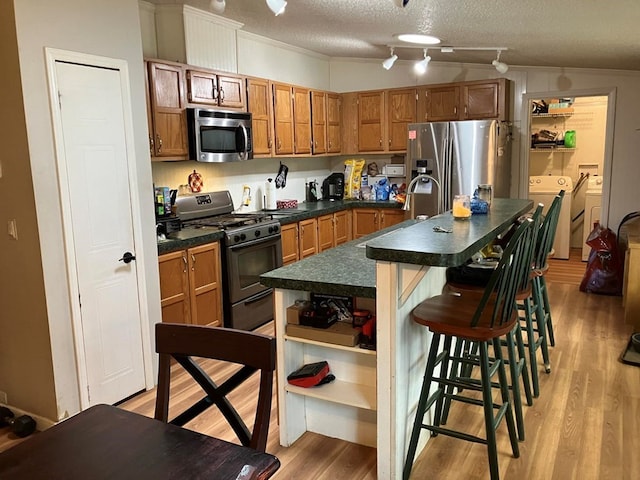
109 29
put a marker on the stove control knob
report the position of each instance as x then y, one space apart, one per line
236 238
243 237
257 233
273 229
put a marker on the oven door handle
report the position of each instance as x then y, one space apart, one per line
274 238
259 297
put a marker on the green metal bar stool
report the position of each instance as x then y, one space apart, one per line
484 318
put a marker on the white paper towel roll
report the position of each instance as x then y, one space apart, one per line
270 195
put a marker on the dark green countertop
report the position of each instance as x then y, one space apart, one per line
191 237
421 245
350 269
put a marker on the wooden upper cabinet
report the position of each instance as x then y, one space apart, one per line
283 119
485 100
319 121
166 92
302 120
349 117
334 122
210 88
371 121
401 111
438 104
260 106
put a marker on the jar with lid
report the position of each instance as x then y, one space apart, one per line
485 192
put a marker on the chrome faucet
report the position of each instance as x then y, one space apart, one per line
411 186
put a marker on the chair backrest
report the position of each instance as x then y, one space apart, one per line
528 259
505 281
547 232
251 351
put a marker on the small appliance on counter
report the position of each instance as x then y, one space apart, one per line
311 191
333 187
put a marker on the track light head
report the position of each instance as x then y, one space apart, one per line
277 6
421 67
388 63
217 5
501 67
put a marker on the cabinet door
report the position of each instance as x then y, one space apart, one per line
391 216
204 282
365 221
259 101
325 232
349 117
400 113
308 237
370 121
302 120
174 287
283 119
334 116
319 120
202 87
480 101
289 237
231 92
166 89
342 227
442 104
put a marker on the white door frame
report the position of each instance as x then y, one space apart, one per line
610 93
53 55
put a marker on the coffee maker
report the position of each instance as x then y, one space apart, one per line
333 187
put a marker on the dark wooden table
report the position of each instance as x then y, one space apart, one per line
106 442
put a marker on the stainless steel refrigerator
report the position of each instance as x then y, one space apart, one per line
460 156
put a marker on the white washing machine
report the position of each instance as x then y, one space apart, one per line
592 204
543 189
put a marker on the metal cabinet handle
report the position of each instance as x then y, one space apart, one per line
380 142
184 260
221 95
159 143
193 262
151 143
455 110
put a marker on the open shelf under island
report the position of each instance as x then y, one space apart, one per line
373 399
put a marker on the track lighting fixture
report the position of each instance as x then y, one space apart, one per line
217 5
421 67
501 67
388 63
277 6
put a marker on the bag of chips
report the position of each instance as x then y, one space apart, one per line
353 178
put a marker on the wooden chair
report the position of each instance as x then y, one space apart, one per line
478 317
251 351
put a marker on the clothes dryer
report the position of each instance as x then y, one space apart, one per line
592 204
543 189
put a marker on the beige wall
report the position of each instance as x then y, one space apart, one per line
26 369
110 29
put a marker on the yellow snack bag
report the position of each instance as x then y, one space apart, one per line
352 178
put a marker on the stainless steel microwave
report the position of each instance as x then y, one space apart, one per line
219 135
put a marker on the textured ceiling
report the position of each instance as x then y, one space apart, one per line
560 33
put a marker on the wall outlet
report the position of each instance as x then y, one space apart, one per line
3 398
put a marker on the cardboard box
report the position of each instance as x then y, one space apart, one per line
294 311
340 333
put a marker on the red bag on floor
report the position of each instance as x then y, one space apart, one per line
604 268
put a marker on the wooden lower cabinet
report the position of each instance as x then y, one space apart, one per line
308 237
289 237
369 220
334 229
190 288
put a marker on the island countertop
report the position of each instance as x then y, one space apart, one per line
350 269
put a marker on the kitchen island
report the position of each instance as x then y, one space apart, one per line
373 399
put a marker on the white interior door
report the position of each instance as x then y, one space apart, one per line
96 167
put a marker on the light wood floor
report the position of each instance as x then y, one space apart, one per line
585 425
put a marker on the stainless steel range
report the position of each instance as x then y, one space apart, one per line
251 247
